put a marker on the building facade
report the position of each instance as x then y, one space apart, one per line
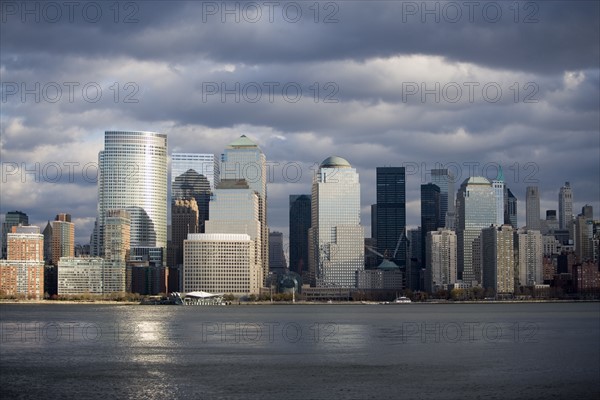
391 214
63 238
475 209
565 207
22 273
12 218
336 238
440 269
133 177
532 208
498 259
530 247
204 164
299 226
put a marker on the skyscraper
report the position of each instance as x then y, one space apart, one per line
63 238
12 218
117 246
204 164
530 257
391 214
532 208
430 215
184 220
499 192
444 179
299 226
498 261
243 159
440 270
277 261
336 238
192 185
510 208
565 207
133 177
475 209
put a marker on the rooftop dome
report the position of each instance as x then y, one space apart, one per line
335 162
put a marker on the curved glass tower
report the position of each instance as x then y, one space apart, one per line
133 177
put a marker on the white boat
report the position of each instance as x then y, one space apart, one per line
402 299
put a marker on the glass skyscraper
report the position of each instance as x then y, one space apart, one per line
133 177
391 214
476 210
12 218
336 238
430 215
444 179
204 164
299 226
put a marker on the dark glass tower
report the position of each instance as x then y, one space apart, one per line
510 208
12 218
431 218
192 184
391 214
299 225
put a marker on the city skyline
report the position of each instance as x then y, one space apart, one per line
357 97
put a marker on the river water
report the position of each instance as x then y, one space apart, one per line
409 351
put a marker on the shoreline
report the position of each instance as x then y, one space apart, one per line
288 303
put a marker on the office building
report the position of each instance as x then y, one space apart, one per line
244 160
510 208
81 275
565 207
430 214
336 238
499 194
444 179
184 220
277 262
299 226
391 214
206 165
133 177
475 209
191 185
532 208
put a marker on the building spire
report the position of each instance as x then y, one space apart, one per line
500 176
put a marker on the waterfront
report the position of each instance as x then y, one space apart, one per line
545 351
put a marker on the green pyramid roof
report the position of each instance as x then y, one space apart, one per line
242 141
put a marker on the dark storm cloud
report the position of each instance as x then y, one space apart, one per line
367 63
547 36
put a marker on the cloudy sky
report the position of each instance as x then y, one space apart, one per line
390 83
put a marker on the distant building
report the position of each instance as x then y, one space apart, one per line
299 226
184 220
440 268
63 237
444 179
530 253
221 263
391 214
586 277
22 273
117 250
12 218
510 208
191 185
336 238
565 207
81 275
497 258
476 210
584 238
532 208
499 192
277 262
204 164
430 215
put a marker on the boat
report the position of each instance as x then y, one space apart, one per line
402 299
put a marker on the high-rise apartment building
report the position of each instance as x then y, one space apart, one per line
440 269
117 247
336 238
530 247
299 226
475 209
498 259
532 208
12 218
391 214
243 159
63 237
22 273
133 177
